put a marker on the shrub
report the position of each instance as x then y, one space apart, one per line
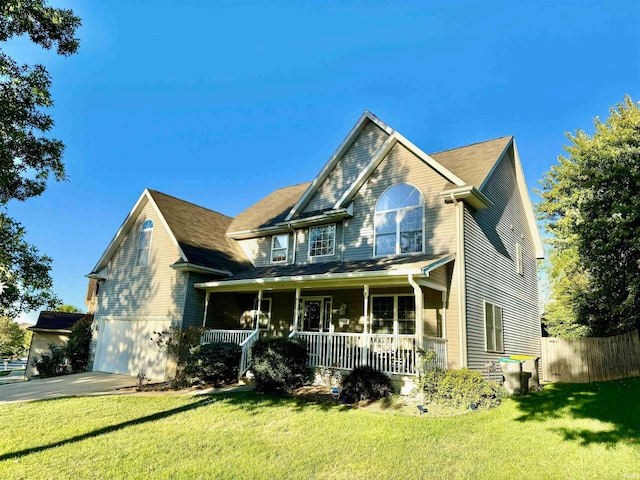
366 383
460 389
215 362
178 343
279 364
51 365
77 348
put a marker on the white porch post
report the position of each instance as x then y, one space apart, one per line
259 309
419 301
444 314
206 307
364 351
296 310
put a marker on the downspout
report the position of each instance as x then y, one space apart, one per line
342 244
295 244
206 308
419 300
462 307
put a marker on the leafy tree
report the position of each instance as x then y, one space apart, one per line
591 206
67 309
27 157
11 338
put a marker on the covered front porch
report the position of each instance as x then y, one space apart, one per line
381 321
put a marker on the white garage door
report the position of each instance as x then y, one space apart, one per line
126 346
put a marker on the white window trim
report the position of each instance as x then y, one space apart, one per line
286 253
142 229
335 229
325 300
396 323
262 310
486 337
519 260
398 246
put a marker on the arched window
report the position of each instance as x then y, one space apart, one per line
144 244
399 225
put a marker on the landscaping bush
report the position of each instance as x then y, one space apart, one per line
51 365
279 364
77 348
215 363
178 343
366 383
460 389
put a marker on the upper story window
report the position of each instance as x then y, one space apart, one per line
144 244
279 248
322 240
399 221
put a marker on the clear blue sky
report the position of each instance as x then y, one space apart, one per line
220 103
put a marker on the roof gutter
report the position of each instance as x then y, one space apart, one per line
190 267
470 194
443 261
287 226
303 278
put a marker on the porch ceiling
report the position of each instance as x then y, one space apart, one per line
387 271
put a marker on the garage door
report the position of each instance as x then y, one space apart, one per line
126 346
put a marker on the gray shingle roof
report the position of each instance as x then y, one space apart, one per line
58 320
270 210
370 265
473 162
201 234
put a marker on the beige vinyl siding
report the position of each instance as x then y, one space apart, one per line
490 239
228 310
401 165
155 290
194 300
282 308
302 247
41 345
432 311
258 250
348 168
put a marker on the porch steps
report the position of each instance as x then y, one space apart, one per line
247 379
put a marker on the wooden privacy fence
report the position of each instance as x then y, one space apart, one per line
590 359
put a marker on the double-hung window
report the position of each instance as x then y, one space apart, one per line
394 314
399 224
322 240
144 244
279 248
493 327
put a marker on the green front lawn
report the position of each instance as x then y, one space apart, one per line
567 431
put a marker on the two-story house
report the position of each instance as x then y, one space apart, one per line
386 251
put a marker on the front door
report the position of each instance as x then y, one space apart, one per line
316 314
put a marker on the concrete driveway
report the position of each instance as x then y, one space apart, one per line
78 384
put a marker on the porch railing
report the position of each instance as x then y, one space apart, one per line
438 345
245 358
227 336
392 354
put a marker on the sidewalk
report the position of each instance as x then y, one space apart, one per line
16 376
